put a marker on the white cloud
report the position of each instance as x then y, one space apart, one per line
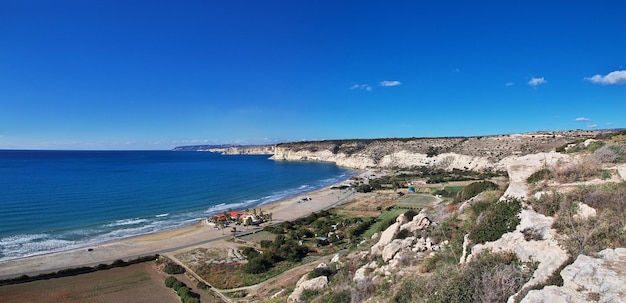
582 119
509 84
590 125
361 86
537 81
390 83
612 78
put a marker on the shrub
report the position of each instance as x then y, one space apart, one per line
403 234
532 234
501 217
364 188
169 282
321 271
173 269
250 252
548 204
606 154
182 292
594 146
118 263
476 188
177 285
258 265
537 176
410 214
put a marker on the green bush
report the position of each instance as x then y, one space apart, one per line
364 188
177 285
318 272
476 188
183 292
410 214
169 282
250 252
258 265
403 234
173 269
501 217
537 176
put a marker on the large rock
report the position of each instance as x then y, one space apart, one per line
584 211
390 250
385 238
419 222
588 279
318 283
362 273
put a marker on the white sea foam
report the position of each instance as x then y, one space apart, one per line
123 222
21 246
162 215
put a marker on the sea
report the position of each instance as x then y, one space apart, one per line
60 200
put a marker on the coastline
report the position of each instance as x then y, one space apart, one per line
168 240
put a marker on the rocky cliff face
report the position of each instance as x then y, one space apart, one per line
466 153
247 150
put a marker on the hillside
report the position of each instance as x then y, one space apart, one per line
465 153
554 232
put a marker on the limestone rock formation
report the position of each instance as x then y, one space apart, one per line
385 238
303 285
419 222
544 249
588 279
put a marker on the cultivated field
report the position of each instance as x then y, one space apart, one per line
135 283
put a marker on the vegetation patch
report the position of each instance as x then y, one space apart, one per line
490 277
185 294
493 219
474 189
592 234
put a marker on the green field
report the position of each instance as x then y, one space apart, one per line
385 216
417 201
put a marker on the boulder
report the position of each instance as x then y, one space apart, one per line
395 246
385 238
419 222
314 284
323 266
362 273
588 279
402 219
584 211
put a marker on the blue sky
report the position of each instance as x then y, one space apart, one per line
157 74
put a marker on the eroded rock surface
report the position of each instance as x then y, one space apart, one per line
588 279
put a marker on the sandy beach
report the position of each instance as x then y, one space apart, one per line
165 241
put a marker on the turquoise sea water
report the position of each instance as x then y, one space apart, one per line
59 200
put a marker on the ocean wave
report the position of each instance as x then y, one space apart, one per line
21 246
162 215
123 222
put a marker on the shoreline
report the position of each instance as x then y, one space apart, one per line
168 240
